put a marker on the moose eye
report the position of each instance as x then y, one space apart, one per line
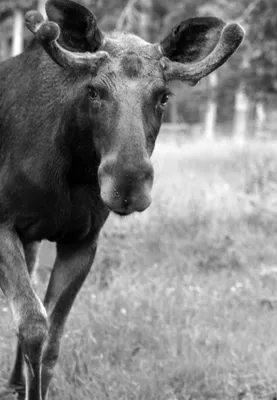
164 99
93 94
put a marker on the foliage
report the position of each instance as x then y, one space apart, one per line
262 51
7 6
257 57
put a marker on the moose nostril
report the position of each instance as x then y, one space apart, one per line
149 171
116 193
149 174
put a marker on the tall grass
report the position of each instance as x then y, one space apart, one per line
181 301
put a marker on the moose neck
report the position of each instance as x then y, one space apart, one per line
83 167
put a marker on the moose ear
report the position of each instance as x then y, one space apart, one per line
192 40
79 30
198 46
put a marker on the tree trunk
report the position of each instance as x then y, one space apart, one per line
136 17
145 19
260 119
4 48
173 114
41 7
211 110
18 32
125 19
242 105
173 111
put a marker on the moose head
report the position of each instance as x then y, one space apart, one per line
119 90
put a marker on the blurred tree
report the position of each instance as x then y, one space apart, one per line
258 62
136 17
16 10
211 108
18 29
262 36
254 65
127 18
41 7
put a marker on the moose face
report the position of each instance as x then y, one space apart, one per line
127 89
128 97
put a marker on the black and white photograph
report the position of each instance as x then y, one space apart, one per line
138 200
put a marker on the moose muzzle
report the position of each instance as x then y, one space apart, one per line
126 187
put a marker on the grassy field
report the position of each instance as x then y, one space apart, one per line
181 303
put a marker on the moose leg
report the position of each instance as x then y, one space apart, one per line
29 314
70 270
17 379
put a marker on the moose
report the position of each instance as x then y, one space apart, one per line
80 111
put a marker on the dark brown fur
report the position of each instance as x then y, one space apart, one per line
131 65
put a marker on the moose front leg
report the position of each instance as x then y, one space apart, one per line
29 314
17 380
70 270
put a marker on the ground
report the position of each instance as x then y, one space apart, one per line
181 303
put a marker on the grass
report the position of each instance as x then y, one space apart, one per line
181 301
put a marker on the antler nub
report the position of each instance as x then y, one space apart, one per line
48 32
43 30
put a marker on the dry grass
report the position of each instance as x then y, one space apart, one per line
181 302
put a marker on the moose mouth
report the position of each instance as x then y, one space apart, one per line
125 212
122 213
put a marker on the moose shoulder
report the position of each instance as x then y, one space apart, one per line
79 115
